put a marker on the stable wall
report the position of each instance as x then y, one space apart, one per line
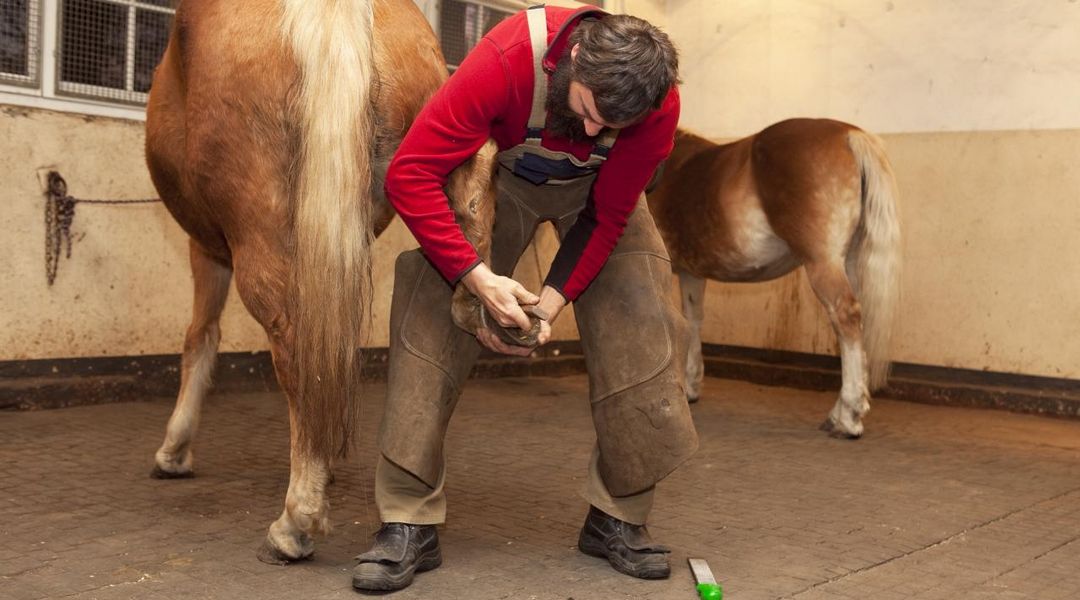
976 102
126 290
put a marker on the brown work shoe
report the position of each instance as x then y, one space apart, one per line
400 551
628 547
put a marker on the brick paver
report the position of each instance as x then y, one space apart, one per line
933 503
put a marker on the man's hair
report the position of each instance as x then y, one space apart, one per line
627 63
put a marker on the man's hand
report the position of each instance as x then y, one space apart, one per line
505 297
551 302
501 296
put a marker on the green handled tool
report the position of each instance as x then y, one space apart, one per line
707 588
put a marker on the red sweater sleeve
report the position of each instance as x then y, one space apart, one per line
637 153
450 129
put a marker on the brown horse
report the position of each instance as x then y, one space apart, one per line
270 125
810 192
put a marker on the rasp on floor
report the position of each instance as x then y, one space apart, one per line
707 587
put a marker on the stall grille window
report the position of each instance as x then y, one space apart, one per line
19 50
108 48
461 25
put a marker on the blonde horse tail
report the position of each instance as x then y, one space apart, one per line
331 43
874 265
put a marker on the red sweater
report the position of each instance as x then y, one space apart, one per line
490 95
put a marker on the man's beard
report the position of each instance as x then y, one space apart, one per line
562 121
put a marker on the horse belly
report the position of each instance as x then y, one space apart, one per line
751 252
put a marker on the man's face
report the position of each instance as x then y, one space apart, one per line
572 105
582 103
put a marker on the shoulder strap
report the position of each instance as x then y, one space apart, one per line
537 18
604 143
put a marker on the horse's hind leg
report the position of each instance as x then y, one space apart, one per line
211 277
693 305
306 512
261 274
833 289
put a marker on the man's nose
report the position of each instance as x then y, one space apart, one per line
592 128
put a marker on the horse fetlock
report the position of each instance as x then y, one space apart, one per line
309 515
466 310
857 400
695 373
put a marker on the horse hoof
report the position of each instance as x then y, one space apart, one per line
692 399
158 473
840 433
271 555
515 336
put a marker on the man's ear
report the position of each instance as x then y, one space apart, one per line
574 51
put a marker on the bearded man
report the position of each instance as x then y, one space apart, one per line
583 106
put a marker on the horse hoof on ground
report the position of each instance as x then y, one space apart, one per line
158 473
270 554
692 399
843 433
173 465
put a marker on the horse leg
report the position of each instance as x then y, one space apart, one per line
693 306
833 289
211 277
472 192
260 277
306 513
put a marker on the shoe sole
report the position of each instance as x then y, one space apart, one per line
381 581
592 547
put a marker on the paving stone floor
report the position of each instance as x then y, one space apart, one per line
932 503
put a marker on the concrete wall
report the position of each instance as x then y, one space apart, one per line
653 11
127 288
977 101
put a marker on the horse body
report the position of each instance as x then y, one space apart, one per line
270 125
804 192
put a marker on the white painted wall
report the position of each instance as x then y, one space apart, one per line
653 11
985 159
978 101
126 290
888 65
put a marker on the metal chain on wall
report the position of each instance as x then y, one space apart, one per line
59 214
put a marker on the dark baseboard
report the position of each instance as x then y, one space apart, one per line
911 382
55 383
61 382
